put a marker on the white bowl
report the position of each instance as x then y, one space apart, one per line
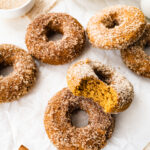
17 12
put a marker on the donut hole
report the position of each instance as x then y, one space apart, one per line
79 118
6 70
102 77
52 35
147 49
110 21
112 24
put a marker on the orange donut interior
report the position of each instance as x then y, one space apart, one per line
99 91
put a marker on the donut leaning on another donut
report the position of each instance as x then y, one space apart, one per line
64 135
104 85
116 27
55 52
18 82
135 57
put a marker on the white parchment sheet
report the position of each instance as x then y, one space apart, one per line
21 122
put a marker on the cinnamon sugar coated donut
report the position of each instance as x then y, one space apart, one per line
64 135
116 27
23 148
60 51
136 58
17 83
104 85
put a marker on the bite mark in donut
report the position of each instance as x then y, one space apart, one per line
100 82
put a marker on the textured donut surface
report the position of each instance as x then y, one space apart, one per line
59 51
136 58
18 82
116 27
64 135
100 82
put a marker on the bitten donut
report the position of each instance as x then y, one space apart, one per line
64 135
116 27
23 148
136 58
100 82
18 82
60 51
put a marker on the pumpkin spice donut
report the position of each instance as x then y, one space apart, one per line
136 58
60 51
104 85
66 136
116 27
17 83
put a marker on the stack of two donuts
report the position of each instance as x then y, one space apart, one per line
95 88
124 28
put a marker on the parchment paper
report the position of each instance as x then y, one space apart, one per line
21 122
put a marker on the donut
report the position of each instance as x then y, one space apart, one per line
92 79
59 51
116 27
66 136
136 58
22 147
18 82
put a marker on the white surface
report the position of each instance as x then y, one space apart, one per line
21 122
17 12
145 6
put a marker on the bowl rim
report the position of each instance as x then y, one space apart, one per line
18 8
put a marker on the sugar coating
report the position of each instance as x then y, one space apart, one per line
17 83
85 69
136 58
64 135
116 27
60 51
